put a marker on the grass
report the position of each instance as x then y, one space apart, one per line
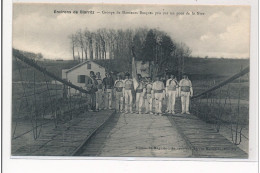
225 114
222 106
43 101
209 69
233 88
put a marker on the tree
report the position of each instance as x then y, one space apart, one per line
182 52
111 36
116 46
90 38
88 43
72 38
102 34
149 47
137 47
80 42
39 56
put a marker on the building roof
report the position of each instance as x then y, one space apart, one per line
80 64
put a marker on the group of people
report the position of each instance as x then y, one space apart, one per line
148 95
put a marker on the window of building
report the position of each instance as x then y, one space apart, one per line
89 66
81 78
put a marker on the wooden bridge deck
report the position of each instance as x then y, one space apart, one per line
64 140
131 135
203 139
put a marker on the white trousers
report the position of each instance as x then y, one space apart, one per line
119 101
158 102
185 101
139 101
171 101
128 100
99 99
108 99
149 103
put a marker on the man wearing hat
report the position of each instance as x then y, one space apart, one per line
148 96
119 85
108 83
139 94
158 94
127 93
185 91
171 93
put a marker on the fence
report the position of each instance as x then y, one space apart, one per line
39 97
226 105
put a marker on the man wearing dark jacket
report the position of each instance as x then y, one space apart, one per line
91 85
108 83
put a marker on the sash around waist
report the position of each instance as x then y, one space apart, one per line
108 90
119 89
108 87
139 90
185 88
128 87
158 91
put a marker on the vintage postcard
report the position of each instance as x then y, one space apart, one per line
124 80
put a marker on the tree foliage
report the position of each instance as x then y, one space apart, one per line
149 49
119 45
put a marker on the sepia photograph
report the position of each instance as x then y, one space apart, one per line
125 80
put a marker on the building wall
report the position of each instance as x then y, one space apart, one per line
72 76
63 73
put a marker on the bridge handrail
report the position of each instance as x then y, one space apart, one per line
33 64
215 87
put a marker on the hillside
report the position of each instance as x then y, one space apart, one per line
197 68
201 68
27 73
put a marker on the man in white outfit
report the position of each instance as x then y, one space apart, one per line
127 93
119 85
171 93
148 96
139 94
185 91
158 94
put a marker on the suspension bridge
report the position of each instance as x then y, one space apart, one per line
49 120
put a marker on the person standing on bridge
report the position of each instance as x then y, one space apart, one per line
148 96
127 93
108 83
185 91
99 92
119 85
158 94
139 94
91 85
171 93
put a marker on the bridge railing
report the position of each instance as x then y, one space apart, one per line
40 99
226 106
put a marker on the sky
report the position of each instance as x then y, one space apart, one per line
220 32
